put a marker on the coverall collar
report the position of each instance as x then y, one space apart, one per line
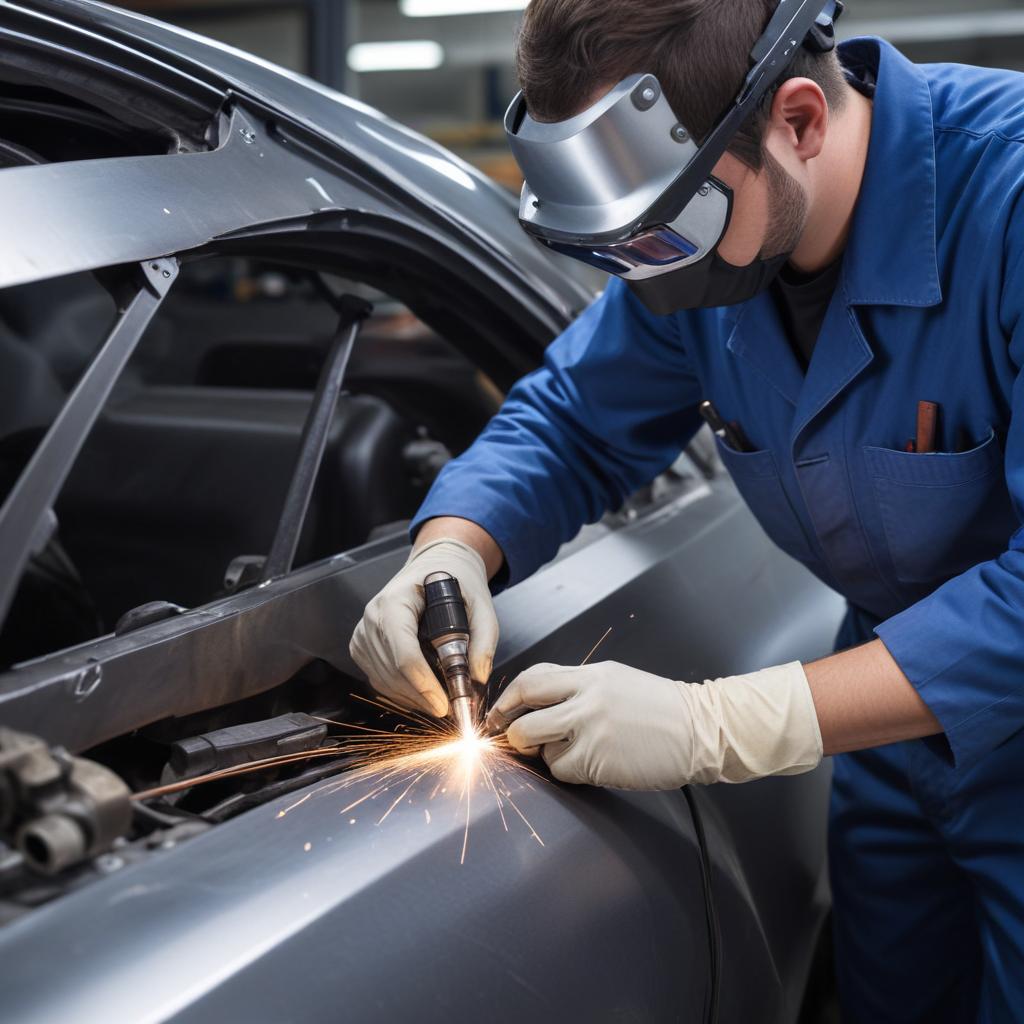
891 253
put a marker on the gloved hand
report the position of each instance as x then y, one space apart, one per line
611 725
386 646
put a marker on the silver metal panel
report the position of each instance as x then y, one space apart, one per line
65 218
309 918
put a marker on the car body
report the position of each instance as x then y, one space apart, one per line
147 148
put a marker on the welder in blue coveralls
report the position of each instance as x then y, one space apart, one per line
815 240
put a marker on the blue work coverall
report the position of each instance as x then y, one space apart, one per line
927 837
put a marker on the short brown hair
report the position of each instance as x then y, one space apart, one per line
698 49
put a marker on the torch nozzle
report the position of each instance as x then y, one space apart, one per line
464 714
462 698
445 630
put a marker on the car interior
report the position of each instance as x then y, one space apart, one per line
188 466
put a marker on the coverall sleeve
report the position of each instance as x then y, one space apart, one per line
962 647
614 404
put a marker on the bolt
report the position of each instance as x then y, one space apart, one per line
680 134
248 135
167 273
645 97
108 863
704 190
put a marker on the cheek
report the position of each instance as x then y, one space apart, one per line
746 235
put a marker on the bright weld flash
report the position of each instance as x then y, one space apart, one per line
465 753
471 748
423 759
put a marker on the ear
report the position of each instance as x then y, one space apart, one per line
800 115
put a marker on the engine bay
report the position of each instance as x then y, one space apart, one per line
67 821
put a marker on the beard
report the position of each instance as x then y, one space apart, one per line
788 206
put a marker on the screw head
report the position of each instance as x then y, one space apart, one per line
704 190
649 95
248 136
680 134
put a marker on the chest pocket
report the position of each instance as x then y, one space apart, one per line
756 476
942 513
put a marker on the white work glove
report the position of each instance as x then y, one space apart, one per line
386 645
611 725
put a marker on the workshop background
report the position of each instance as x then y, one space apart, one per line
444 67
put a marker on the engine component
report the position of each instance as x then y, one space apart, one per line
240 744
58 809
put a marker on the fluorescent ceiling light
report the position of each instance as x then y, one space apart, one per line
415 55
436 8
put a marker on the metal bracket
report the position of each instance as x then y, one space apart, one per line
160 275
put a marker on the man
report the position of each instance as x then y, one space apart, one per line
873 259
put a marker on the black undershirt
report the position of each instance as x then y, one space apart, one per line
803 299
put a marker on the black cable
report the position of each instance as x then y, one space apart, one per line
710 910
238 802
158 817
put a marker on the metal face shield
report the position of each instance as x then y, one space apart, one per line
591 180
623 187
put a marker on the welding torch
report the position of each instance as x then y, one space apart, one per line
444 629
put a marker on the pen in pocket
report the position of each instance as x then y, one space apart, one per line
927 426
731 433
927 429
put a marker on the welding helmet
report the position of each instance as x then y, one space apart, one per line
624 186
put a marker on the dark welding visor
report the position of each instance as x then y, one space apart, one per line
623 185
